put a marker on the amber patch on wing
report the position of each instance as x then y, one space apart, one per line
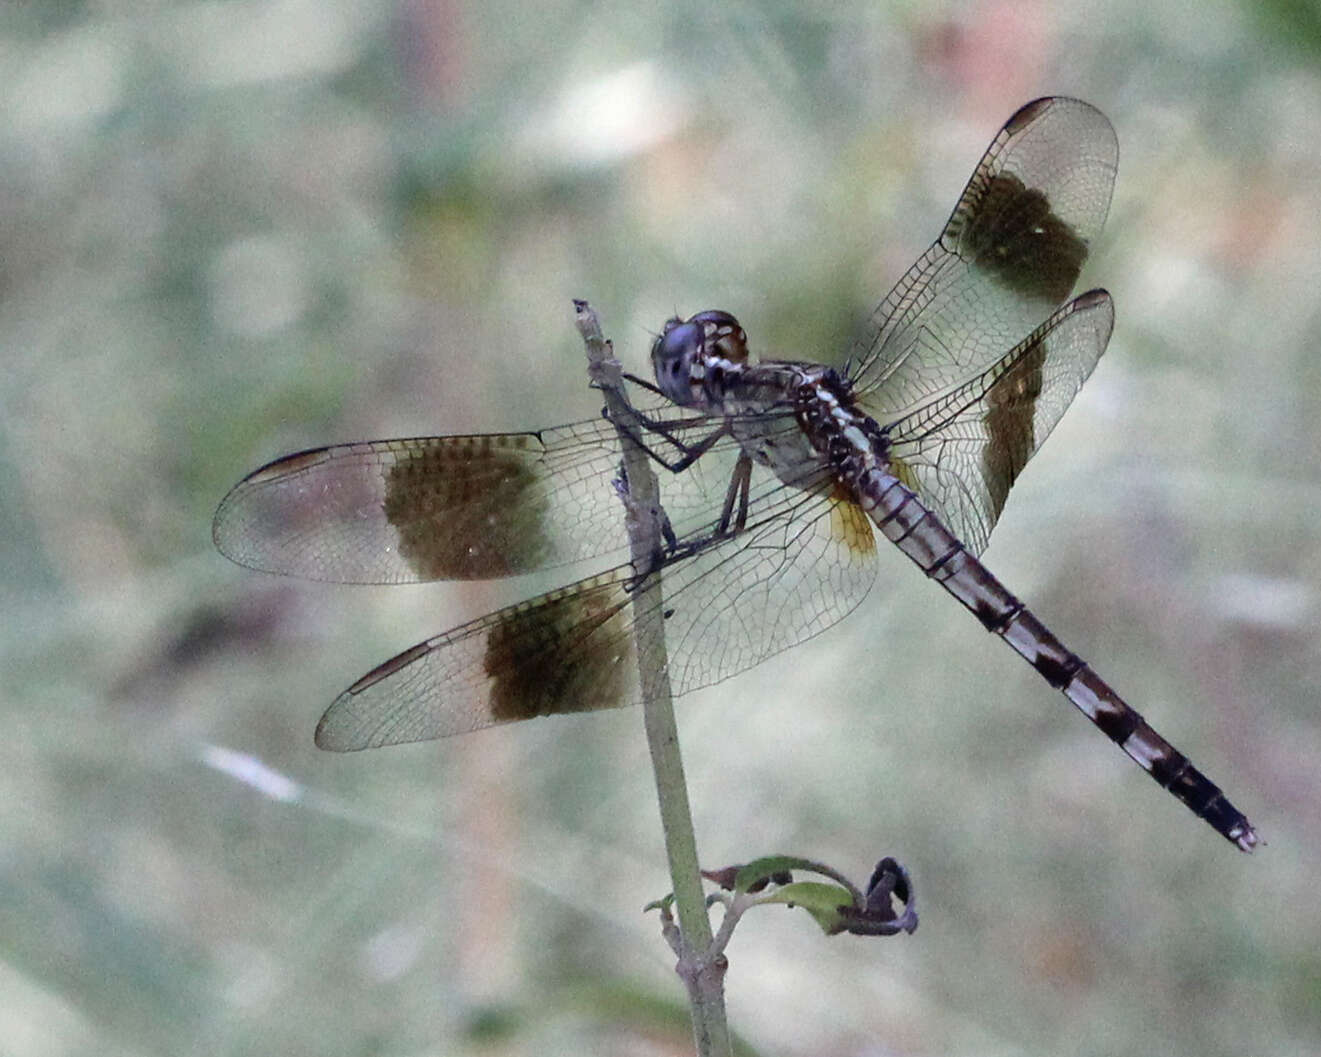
1014 235
905 474
568 652
849 524
469 508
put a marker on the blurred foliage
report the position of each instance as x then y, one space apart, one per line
234 229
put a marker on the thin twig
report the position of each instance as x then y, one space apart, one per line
702 972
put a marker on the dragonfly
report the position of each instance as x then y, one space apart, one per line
782 473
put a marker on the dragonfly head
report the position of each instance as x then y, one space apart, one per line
688 352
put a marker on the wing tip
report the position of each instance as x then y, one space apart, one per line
330 735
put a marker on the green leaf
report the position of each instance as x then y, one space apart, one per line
823 901
765 869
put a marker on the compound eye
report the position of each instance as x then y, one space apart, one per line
724 334
672 357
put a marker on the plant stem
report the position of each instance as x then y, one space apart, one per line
702 973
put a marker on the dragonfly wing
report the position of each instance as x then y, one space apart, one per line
802 563
565 651
1010 253
446 508
964 448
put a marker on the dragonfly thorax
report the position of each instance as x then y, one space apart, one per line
695 359
837 428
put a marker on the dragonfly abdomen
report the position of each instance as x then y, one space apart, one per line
906 522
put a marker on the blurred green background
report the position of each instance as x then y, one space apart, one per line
233 229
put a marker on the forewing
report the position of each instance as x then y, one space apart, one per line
1010 253
803 562
964 448
442 508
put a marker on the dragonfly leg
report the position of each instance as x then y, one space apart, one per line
737 492
733 516
688 453
642 383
